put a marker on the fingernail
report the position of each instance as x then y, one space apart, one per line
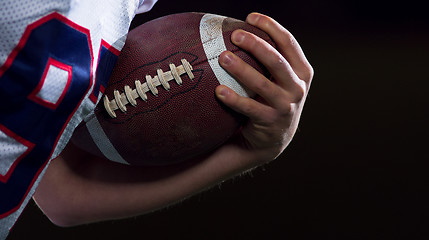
238 36
226 59
252 18
222 92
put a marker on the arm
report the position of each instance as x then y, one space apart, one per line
80 188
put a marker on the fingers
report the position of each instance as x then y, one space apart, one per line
274 95
276 64
246 106
286 44
286 63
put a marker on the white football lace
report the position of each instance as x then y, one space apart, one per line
151 84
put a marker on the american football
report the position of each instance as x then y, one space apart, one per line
159 106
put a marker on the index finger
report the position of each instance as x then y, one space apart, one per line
286 44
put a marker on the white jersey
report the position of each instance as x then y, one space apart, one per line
55 59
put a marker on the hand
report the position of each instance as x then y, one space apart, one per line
274 115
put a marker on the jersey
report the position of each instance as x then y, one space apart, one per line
55 60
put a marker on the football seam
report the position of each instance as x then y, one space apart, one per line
162 78
198 80
195 57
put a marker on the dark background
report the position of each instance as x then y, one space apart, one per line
357 168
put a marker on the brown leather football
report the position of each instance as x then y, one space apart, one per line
160 106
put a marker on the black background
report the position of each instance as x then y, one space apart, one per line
357 168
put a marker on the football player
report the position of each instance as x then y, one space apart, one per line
50 79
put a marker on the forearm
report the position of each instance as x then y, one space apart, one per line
81 189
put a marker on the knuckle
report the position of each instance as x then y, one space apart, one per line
244 107
284 105
263 86
293 94
309 73
298 94
278 61
287 40
285 109
249 111
291 39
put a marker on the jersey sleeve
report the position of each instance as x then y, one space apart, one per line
145 6
55 59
